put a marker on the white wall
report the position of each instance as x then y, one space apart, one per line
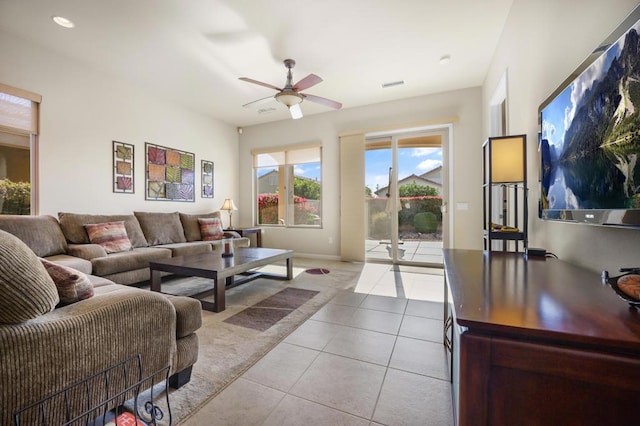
467 142
83 110
542 43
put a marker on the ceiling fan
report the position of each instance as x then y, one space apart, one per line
290 95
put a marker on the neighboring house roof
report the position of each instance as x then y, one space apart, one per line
434 175
418 180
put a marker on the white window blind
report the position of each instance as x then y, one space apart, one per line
18 110
302 155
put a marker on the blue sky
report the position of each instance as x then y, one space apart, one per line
410 161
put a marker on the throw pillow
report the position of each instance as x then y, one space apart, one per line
72 285
211 228
192 227
112 236
26 290
72 225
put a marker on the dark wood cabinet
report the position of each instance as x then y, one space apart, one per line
540 342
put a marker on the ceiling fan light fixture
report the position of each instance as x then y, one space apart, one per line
295 111
289 98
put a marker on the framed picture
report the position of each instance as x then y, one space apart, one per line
207 179
123 170
170 174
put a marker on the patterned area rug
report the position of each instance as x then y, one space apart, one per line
228 346
265 314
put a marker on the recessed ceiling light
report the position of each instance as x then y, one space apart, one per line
392 83
445 59
63 22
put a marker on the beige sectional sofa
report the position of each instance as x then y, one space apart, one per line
153 236
57 347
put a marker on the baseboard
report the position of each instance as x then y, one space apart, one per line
317 256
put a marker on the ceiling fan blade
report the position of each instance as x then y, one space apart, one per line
308 81
259 83
260 101
296 111
323 101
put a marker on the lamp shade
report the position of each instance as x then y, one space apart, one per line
289 98
508 159
228 205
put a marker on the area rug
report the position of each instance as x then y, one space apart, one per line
263 315
227 350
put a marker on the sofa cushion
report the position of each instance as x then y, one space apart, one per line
211 229
191 225
82 265
112 236
41 233
161 228
186 249
138 258
72 285
72 225
188 314
26 290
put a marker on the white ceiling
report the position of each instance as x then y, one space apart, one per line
194 51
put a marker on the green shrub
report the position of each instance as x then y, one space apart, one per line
15 197
425 223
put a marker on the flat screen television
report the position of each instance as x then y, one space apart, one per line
590 137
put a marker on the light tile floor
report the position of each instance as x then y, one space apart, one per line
372 356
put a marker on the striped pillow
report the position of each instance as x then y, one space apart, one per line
211 228
72 285
112 236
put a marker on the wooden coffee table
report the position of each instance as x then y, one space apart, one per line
216 267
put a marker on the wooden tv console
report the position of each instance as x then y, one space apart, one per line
538 342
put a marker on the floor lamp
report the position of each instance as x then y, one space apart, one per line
509 168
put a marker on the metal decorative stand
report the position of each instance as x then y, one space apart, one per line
110 397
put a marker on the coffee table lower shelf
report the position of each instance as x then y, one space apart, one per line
225 269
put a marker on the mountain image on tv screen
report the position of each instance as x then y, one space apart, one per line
591 134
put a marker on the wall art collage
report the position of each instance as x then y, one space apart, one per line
169 173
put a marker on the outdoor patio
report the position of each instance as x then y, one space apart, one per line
408 251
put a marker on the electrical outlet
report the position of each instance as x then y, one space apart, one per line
330 240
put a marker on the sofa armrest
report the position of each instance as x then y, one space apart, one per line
55 350
86 251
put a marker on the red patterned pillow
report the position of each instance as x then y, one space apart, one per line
112 236
72 285
211 228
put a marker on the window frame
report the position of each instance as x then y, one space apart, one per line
32 131
286 179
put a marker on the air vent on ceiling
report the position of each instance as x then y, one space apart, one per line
392 83
266 110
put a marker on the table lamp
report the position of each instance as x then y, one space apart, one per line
230 206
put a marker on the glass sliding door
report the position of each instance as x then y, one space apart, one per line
404 188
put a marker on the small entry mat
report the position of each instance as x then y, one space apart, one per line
269 311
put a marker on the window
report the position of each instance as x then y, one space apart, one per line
18 138
289 186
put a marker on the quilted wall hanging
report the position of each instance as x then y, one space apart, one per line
123 176
170 174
